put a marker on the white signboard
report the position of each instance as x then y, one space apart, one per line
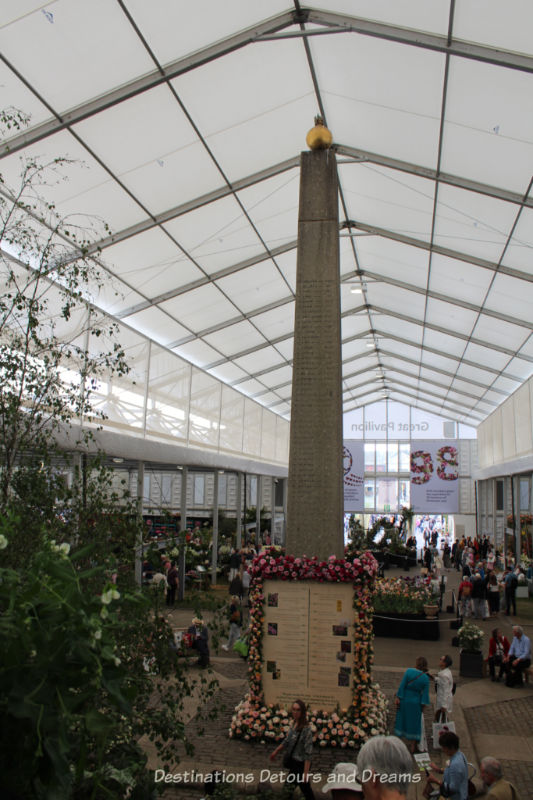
308 643
435 476
354 469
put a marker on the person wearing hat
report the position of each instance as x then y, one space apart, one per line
342 783
199 640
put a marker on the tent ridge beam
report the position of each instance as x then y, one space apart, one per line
145 82
427 41
366 156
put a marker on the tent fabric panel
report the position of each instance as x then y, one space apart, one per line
216 235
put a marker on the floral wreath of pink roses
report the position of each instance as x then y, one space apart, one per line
253 720
422 465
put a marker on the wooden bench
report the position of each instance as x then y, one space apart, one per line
528 673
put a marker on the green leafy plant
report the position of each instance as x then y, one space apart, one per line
86 664
400 596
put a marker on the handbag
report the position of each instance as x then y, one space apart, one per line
441 727
241 647
287 758
472 790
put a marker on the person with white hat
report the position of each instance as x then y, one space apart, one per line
199 640
342 783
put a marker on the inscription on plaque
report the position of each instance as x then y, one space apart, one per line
308 643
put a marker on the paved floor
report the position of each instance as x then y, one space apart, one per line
490 718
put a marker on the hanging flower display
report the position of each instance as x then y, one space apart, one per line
254 720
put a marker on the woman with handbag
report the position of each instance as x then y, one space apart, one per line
444 688
297 751
411 697
498 649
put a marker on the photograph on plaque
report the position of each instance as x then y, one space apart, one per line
343 680
272 628
345 670
271 666
341 656
273 599
276 675
346 646
340 630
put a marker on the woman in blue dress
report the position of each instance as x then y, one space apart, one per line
411 698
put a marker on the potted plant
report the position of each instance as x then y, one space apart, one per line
470 642
431 610
522 589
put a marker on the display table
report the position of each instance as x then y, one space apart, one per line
406 626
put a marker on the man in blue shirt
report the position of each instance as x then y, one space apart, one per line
518 658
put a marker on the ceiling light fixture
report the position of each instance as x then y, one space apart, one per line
118 460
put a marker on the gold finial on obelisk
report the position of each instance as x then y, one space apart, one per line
319 137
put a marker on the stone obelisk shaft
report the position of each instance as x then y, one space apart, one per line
315 486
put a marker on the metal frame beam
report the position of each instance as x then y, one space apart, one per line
141 84
458 255
439 329
444 298
212 278
359 156
405 360
197 202
408 374
427 41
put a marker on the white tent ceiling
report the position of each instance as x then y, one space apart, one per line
189 118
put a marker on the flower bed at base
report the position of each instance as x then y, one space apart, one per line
345 728
401 596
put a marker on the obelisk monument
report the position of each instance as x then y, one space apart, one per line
315 486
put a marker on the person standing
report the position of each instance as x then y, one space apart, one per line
234 564
518 658
498 649
411 697
444 687
246 580
235 623
172 584
479 596
297 751
493 594
464 597
510 582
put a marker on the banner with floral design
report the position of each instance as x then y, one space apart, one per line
435 476
354 470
